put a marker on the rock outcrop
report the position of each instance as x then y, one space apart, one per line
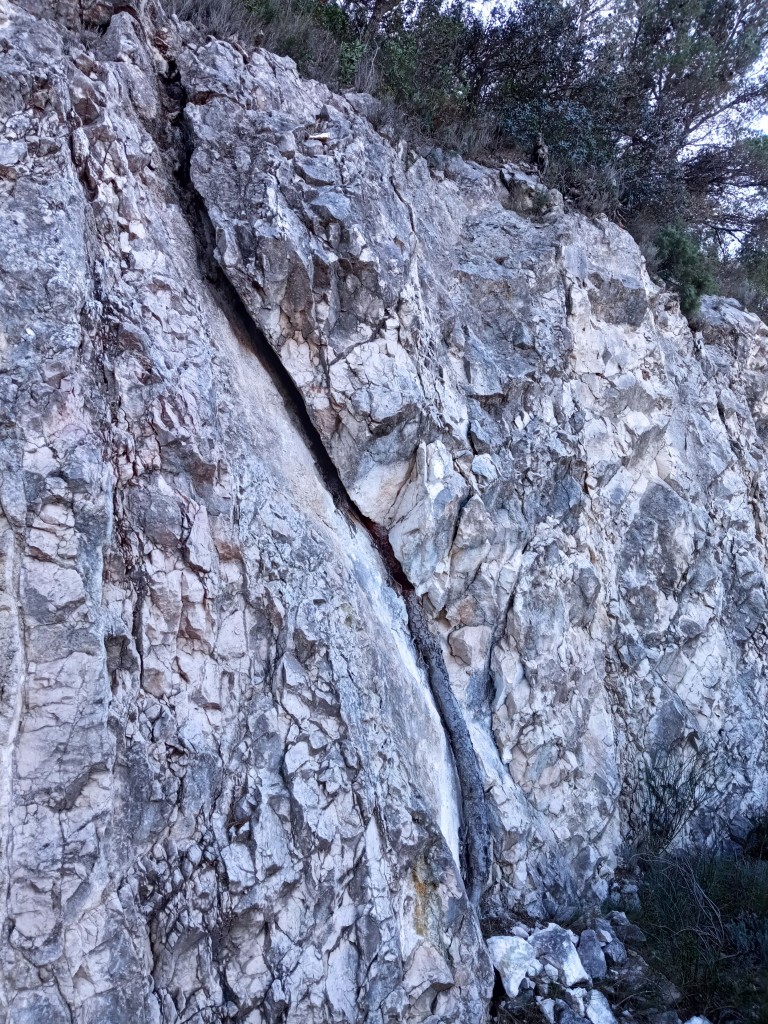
363 519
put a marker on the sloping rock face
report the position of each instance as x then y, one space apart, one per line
570 478
226 792
248 344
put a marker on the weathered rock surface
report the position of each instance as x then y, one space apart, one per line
568 475
514 958
556 946
226 792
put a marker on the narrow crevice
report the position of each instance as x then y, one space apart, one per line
475 837
139 580
476 834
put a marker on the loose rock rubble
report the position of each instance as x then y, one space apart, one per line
241 330
557 975
515 960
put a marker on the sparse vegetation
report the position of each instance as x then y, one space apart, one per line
706 921
704 913
665 793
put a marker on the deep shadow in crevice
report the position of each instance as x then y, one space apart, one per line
476 844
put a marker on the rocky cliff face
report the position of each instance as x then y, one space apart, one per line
339 486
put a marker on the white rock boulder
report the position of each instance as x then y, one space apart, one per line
514 958
554 945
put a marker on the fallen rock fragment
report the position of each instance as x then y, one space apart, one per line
514 959
627 932
591 954
554 946
599 1009
615 953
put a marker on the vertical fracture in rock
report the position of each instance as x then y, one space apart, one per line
476 840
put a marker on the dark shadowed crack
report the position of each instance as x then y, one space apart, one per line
475 834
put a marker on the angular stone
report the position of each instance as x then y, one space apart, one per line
577 998
526 194
547 1007
604 931
591 954
554 946
628 932
615 953
514 959
599 1009
453 352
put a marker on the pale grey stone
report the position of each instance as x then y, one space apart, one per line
514 959
604 932
12 153
577 998
599 1009
554 946
547 1007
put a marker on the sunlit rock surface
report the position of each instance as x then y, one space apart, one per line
225 791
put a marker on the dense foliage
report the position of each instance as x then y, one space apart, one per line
648 106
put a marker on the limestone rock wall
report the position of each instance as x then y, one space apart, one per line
226 792
570 477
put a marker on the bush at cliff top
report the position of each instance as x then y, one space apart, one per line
681 262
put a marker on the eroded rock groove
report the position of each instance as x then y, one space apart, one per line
476 844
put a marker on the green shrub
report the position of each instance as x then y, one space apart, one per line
351 53
422 66
681 262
